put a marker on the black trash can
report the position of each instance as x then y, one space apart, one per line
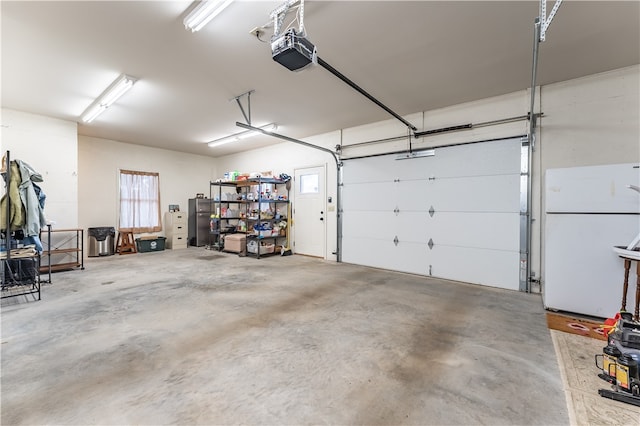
101 241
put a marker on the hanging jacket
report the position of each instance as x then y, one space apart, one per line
17 212
34 219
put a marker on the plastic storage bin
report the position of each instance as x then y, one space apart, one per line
101 241
265 248
146 244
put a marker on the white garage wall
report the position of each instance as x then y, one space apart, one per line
590 121
49 145
182 176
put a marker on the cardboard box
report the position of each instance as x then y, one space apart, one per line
235 243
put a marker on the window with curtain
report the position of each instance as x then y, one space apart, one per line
140 201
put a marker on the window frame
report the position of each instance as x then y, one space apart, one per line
152 227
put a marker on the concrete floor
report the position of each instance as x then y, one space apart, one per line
199 337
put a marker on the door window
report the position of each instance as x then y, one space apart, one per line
309 184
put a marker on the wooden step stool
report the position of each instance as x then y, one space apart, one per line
125 244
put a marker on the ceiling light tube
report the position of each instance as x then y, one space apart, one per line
242 135
118 88
204 12
92 112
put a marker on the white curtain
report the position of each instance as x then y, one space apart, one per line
139 201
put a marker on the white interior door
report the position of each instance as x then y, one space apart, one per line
454 215
309 212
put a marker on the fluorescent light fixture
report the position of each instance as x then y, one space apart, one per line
242 135
118 88
204 12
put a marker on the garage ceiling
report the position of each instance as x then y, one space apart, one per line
413 56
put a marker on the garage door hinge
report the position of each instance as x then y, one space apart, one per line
396 240
431 211
396 210
430 244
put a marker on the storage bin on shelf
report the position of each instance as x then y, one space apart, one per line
147 244
263 230
265 248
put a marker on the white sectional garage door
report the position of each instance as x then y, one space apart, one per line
453 215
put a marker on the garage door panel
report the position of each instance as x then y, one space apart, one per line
368 225
412 195
411 257
363 171
473 265
370 170
404 257
368 196
465 199
369 252
489 158
408 226
413 226
477 193
488 230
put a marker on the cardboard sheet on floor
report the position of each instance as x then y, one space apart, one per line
576 325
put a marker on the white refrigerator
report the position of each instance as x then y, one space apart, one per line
588 211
